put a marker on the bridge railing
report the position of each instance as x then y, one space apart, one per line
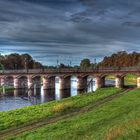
70 70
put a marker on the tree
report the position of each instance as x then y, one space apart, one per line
63 66
17 61
85 63
121 59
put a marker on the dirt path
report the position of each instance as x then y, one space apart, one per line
16 131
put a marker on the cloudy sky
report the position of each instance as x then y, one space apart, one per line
69 30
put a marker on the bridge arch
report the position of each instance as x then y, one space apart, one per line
9 80
101 75
129 73
108 80
66 75
22 81
48 82
37 80
21 76
130 79
36 76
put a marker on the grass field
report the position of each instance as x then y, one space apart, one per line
118 119
26 115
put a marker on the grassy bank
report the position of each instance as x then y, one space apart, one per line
116 120
26 115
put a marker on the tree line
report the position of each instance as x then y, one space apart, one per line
119 59
25 61
18 61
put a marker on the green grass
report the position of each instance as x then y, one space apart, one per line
131 76
116 120
130 80
14 118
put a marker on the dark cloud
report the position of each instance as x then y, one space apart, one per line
72 29
131 24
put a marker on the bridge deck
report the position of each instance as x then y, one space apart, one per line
68 71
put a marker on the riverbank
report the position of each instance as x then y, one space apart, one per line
29 115
115 120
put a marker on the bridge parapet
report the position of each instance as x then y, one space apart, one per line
71 70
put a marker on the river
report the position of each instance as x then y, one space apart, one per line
20 98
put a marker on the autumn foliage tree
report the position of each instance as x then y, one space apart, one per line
121 59
17 61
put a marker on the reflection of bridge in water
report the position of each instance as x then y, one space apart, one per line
47 78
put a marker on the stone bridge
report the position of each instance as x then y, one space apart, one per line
46 77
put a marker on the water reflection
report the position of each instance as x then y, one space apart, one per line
64 93
110 82
59 94
73 89
20 98
47 95
91 81
12 100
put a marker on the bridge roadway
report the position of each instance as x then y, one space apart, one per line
47 77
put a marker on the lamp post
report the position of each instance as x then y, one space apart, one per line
25 65
70 63
95 63
57 63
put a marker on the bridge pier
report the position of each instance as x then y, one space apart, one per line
119 82
81 84
16 83
138 82
64 83
103 82
29 82
100 82
2 81
16 93
48 83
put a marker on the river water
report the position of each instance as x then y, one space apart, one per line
20 98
